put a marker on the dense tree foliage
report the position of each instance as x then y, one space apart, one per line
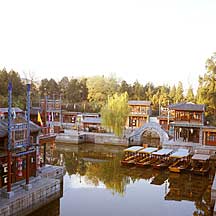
90 94
206 92
18 88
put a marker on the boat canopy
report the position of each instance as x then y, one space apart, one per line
133 149
180 153
200 157
163 152
148 150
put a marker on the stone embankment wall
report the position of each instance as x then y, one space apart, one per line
45 188
85 137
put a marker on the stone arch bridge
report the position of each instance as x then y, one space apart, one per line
135 138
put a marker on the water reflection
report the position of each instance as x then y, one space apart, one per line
91 166
53 209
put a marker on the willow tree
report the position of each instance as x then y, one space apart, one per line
114 114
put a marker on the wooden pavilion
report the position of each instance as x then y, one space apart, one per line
139 113
188 121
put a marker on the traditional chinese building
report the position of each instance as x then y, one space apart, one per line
21 141
209 135
51 111
188 121
92 124
48 114
139 113
166 116
19 152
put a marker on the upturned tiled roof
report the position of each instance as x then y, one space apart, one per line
19 119
187 107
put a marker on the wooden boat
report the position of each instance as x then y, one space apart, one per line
131 155
144 155
163 158
181 160
150 161
200 164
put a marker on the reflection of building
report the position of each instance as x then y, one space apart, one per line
185 187
139 113
188 121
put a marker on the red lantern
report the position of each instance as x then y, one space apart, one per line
38 158
19 168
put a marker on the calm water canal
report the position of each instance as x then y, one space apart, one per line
96 184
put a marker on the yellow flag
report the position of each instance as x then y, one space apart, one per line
39 119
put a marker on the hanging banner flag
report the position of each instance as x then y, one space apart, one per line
39 119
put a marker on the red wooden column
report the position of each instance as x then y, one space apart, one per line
9 171
27 166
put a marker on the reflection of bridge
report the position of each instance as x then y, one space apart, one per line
135 138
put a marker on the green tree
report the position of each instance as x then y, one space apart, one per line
179 93
73 94
138 91
99 88
43 87
123 87
172 94
149 91
19 92
114 114
83 89
190 95
63 87
206 92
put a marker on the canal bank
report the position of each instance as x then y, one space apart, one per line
75 137
44 188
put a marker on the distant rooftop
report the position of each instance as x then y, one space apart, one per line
139 102
187 107
92 120
16 109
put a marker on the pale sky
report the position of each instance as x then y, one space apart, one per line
161 41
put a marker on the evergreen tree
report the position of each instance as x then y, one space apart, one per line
190 95
172 94
179 97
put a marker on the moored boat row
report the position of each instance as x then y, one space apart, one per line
176 161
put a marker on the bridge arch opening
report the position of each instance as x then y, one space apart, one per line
150 133
151 138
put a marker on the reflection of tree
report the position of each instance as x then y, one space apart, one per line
71 162
110 173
